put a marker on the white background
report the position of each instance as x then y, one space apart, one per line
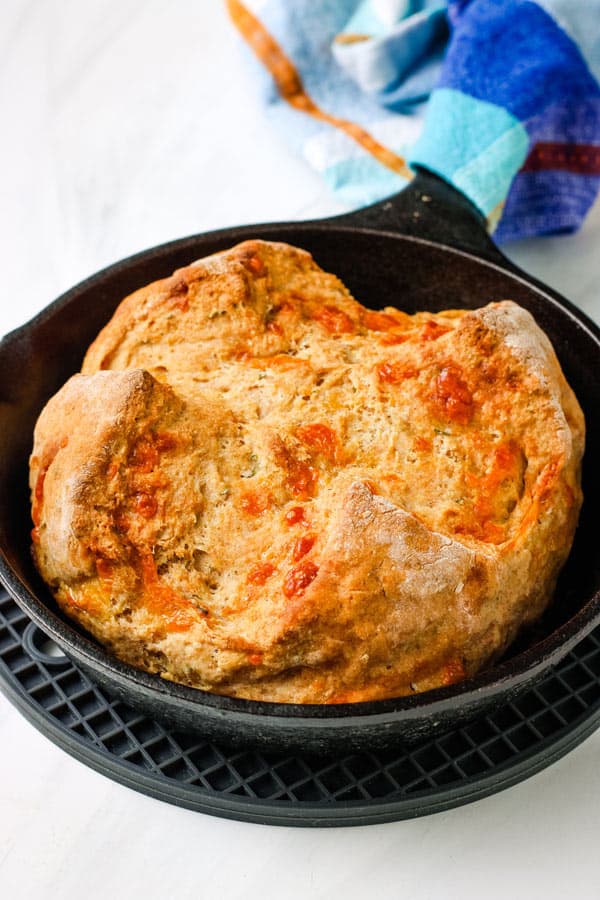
126 123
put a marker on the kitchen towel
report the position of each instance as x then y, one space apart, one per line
499 97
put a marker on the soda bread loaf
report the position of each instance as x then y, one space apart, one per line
260 488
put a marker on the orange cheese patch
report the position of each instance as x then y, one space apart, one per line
159 599
255 503
320 439
146 505
300 476
303 546
485 518
333 320
296 516
432 330
261 573
452 398
395 372
381 321
298 579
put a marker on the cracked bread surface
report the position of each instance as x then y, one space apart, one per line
261 488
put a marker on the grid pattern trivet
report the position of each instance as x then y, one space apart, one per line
485 756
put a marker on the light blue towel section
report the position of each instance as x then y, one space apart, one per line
499 97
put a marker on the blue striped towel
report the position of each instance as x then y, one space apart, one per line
499 97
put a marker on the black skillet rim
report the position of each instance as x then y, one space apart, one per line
521 668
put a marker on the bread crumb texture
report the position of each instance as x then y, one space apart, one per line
261 488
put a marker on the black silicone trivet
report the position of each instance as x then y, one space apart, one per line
488 755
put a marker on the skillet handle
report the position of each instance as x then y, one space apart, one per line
431 209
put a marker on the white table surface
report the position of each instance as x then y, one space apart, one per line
127 123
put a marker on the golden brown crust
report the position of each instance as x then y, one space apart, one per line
277 493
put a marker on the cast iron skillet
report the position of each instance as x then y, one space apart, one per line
425 248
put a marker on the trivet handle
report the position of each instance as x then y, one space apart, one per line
43 648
